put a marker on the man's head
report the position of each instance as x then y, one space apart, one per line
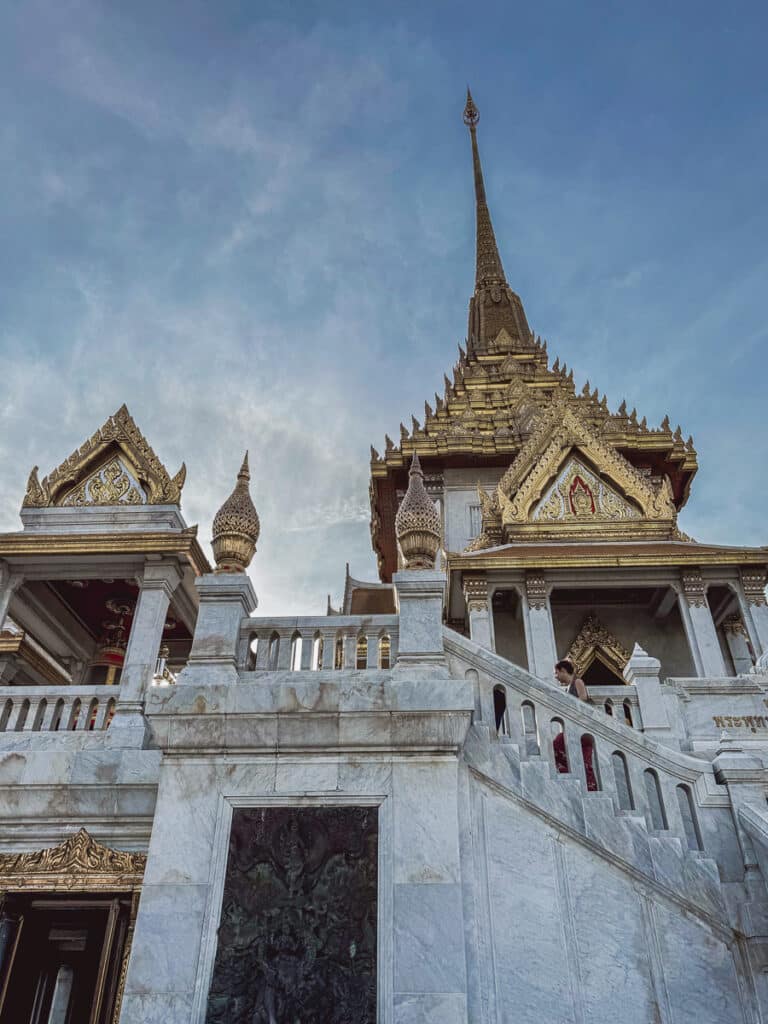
565 671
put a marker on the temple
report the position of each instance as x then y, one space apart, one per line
391 812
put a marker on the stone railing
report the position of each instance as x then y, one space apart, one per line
314 643
59 709
677 794
620 702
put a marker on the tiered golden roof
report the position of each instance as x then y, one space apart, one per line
502 392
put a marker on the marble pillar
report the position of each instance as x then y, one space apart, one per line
9 584
479 611
753 584
700 627
540 634
738 645
158 583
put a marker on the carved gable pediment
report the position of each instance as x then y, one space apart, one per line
77 863
567 481
579 493
596 643
116 466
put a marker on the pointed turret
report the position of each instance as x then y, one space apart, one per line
494 308
236 527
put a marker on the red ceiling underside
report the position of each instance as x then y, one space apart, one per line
89 604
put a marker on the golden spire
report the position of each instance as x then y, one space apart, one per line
488 268
236 527
417 523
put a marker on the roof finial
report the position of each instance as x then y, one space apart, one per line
488 269
417 523
236 527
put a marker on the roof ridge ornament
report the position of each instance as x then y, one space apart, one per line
236 527
417 523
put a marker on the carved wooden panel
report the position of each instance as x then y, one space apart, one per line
297 939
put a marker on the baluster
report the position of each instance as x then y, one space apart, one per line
372 659
307 643
19 719
573 734
262 649
350 650
284 654
394 647
101 714
329 648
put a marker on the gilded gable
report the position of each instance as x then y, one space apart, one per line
115 466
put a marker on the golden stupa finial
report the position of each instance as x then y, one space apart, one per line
488 268
236 527
417 523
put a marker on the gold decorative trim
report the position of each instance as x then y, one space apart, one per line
734 624
694 589
619 554
79 863
18 644
166 543
594 641
476 593
536 589
754 587
115 465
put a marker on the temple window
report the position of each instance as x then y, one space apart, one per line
385 651
530 729
655 800
621 778
475 521
361 653
500 710
688 814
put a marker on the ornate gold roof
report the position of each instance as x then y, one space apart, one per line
501 390
566 482
115 466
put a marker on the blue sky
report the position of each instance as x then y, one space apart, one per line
253 223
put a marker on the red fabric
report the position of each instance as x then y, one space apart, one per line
561 758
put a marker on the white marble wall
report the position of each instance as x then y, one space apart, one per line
569 937
421 954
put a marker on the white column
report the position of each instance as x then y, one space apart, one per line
540 633
9 584
156 589
753 584
736 638
700 627
479 611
